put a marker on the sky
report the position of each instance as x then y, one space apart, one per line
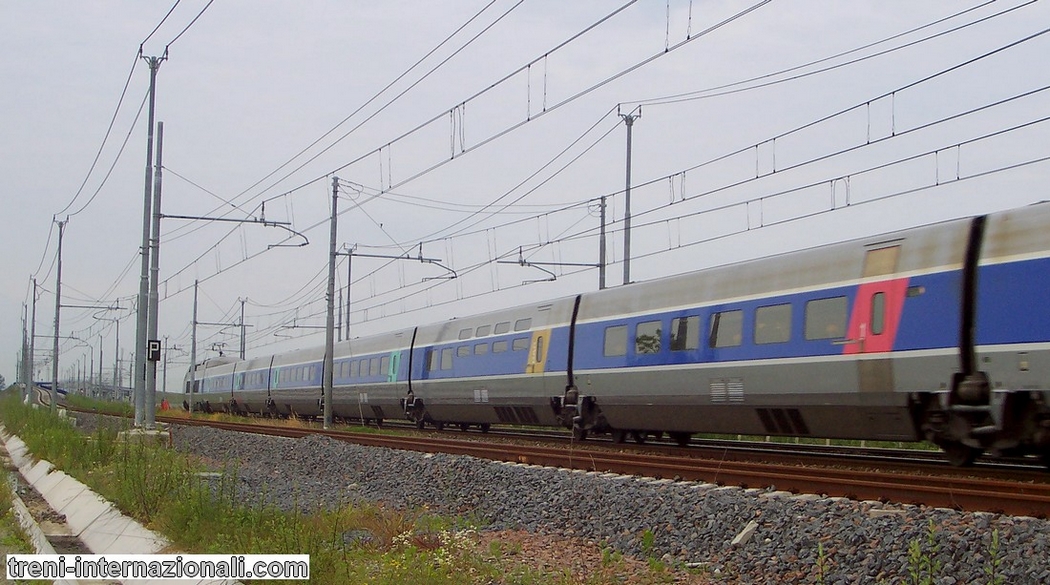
480 136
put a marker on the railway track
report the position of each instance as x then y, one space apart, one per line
898 459
1028 494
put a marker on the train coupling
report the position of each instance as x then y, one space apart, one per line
414 409
575 411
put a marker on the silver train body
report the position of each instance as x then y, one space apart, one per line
939 333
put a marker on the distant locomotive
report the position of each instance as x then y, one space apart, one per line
940 332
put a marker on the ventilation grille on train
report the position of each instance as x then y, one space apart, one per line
783 421
517 415
727 390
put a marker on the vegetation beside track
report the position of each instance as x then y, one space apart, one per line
12 538
365 543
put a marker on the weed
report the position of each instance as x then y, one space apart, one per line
648 542
610 556
12 537
995 562
822 564
923 566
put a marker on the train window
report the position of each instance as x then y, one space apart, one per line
615 341
502 328
481 349
446 358
465 333
523 324
364 368
520 344
539 348
483 331
463 351
878 313
647 337
826 318
499 346
355 368
685 333
727 329
773 324
373 367
432 360
384 365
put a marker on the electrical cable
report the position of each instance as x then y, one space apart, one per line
446 112
717 91
369 101
101 147
943 71
123 145
192 22
159 24
382 91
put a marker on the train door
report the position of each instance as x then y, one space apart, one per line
876 315
538 352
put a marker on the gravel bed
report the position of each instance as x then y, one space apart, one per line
697 524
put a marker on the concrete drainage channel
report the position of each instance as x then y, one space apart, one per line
62 516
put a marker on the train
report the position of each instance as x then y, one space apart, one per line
938 333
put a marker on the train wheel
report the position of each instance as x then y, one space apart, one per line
463 427
1046 460
639 437
420 424
681 438
619 435
439 426
485 427
960 455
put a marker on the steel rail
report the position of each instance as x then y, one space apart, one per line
1019 498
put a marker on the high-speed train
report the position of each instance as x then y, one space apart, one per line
939 333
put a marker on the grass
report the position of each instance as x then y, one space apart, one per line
361 543
12 537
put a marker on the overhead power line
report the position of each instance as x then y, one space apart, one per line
746 84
